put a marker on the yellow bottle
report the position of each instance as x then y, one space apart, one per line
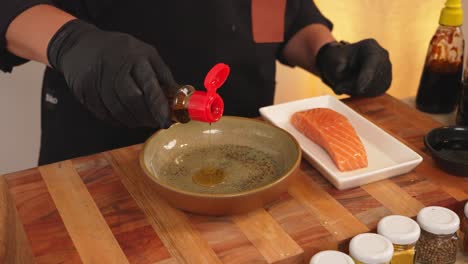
439 87
371 248
403 232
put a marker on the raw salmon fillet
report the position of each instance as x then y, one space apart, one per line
333 132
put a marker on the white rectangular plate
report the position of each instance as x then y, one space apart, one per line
386 155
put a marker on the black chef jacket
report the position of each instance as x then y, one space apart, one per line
191 37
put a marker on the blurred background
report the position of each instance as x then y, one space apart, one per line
403 27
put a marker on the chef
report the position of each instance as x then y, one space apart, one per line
113 63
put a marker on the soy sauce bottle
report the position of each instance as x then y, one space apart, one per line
462 113
439 88
189 104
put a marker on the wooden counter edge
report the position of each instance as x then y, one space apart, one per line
14 245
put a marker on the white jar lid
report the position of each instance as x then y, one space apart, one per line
371 248
401 230
438 220
466 210
331 256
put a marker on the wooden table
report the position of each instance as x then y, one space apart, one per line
102 209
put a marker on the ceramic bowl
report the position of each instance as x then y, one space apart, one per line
449 148
257 160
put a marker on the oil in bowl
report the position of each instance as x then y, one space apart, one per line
209 176
219 169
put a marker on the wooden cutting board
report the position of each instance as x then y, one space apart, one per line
102 209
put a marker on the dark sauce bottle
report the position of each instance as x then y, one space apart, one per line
180 103
462 113
439 88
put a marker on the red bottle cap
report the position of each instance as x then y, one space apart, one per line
209 106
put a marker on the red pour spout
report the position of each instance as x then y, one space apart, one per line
209 106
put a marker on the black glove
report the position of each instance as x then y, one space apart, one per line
359 69
116 76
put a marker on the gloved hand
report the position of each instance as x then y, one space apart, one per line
116 76
359 69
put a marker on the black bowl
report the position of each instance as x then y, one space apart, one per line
449 148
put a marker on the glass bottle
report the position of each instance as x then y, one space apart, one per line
189 104
331 256
403 232
439 88
438 242
370 248
462 112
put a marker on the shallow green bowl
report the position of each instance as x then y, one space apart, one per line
164 146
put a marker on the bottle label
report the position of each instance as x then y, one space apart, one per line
446 47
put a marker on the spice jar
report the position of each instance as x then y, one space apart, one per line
403 232
438 243
331 256
465 229
370 248
189 104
